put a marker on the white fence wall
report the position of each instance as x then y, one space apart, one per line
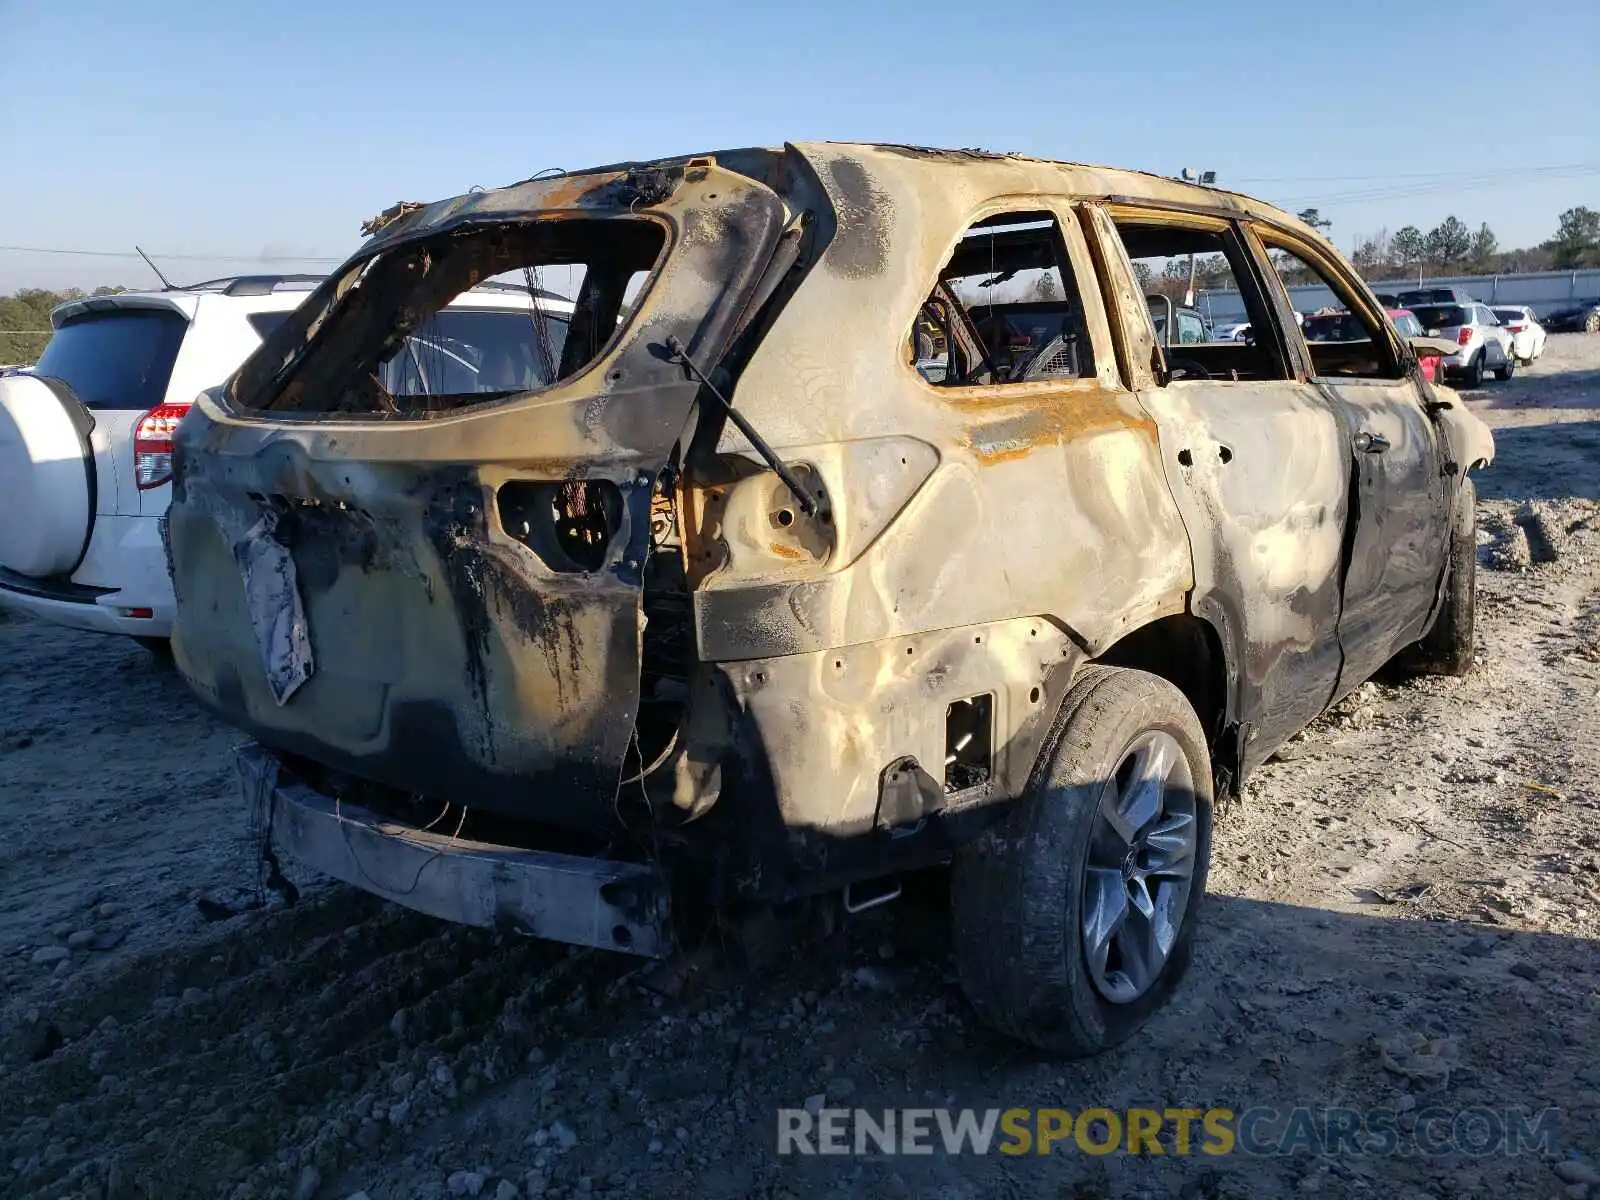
1540 290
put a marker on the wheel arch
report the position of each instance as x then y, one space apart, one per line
1193 654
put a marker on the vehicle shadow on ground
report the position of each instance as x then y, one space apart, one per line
1284 1007
102 682
1532 465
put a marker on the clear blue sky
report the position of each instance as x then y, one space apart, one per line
212 127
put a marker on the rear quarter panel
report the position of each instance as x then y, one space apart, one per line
1042 524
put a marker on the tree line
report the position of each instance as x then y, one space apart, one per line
1449 248
25 320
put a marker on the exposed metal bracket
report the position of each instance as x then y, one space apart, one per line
854 903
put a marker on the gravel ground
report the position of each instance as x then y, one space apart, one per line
1404 912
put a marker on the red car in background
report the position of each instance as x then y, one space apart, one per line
1406 322
1338 325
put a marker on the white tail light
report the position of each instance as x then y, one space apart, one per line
152 445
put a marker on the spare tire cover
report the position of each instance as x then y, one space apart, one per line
46 477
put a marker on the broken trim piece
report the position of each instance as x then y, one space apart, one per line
582 901
272 596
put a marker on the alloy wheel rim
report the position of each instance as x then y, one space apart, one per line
1141 867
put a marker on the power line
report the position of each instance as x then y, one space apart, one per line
1469 183
244 258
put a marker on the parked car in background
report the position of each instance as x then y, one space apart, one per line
86 438
1336 326
1436 295
1343 326
738 607
1527 335
1178 324
1387 299
1485 344
1234 330
1406 324
1582 317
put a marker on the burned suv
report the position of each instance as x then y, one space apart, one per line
718 601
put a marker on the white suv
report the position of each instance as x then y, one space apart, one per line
1484 344
86 434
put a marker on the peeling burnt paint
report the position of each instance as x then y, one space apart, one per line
863 210
486 587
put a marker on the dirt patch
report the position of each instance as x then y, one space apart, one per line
1404 912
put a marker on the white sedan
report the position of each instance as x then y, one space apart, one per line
1527 335
1230 331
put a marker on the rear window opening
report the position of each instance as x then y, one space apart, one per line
384 338
116 359
1334 327
1440 316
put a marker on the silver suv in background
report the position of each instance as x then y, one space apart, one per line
1434 295
1484 344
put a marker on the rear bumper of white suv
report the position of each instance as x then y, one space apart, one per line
121 586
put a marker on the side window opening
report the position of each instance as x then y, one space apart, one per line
1006 309
1341 340
1178 267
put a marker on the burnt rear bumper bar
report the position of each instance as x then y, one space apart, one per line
562 897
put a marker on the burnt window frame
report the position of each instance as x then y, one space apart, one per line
1144 356
1075 263
294 340
1264 236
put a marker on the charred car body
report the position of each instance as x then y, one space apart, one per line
731 603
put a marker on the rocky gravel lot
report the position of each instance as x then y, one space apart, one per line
1404 912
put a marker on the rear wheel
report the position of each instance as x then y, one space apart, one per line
1507 369
1073 916
1472 376
1591 323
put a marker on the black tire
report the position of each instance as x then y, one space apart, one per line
1017 892
1447 648
1472 374
1503 373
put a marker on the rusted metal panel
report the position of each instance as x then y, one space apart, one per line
1032 478
829 722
